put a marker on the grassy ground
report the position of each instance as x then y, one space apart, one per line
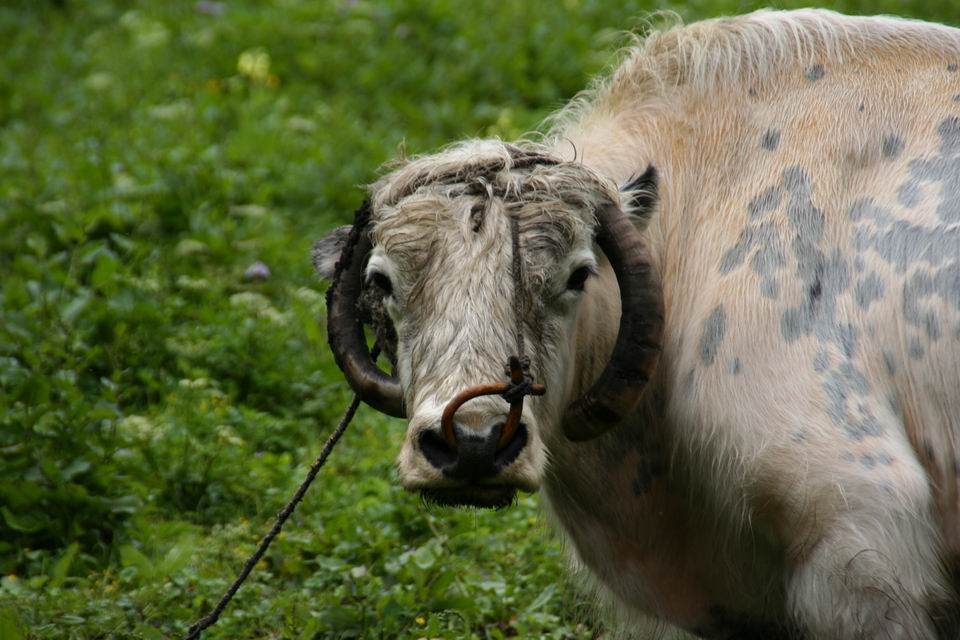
157 407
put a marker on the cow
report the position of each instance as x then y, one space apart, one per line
734 267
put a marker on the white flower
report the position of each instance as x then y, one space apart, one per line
138 427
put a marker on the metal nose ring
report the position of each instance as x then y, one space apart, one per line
513 392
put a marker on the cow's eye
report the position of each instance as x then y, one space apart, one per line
579 278
380 281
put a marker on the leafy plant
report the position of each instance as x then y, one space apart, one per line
157 403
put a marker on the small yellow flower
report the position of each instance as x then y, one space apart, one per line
12 577
420 620
255 64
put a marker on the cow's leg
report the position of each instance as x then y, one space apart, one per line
864 547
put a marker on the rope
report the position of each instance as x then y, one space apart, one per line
518 386
211 618
516 391
517 293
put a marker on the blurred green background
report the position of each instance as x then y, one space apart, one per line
158 401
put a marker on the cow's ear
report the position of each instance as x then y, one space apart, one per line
640 196
326 251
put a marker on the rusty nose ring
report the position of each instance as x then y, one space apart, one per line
513 392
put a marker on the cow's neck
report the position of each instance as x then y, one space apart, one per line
596 329
619 150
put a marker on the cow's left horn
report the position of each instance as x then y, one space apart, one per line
618 390
345 331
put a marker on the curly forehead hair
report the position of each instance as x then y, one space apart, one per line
522 173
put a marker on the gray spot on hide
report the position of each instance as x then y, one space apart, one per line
821 361
894 405
885 458
891 147
868 290
847 456
770 139
952 67
903 244
858 264
769 289
766 201
824 279
841 386
916 349
815 72
919 287
909 194
944 169
824 276
868 461
867 209
768 259
943 284
890 363
847 335
714 330
735 366
861 107
956 98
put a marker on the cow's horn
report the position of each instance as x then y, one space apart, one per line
345 331
618 390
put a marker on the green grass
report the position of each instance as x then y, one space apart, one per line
156 408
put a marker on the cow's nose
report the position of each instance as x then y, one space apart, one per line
476 456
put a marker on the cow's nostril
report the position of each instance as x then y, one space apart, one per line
436 450
476 456
509 452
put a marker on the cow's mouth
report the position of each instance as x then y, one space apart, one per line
480 496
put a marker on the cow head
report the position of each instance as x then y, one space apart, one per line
428 263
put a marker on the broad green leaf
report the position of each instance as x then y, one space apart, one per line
106 265
130 556
62 566
10 625
543 599
147 632
23 522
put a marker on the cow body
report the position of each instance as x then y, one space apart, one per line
791 469
797 454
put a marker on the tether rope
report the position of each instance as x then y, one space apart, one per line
211 618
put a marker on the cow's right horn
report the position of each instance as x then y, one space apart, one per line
636 353
345 331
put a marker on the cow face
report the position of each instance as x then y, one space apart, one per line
437 259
